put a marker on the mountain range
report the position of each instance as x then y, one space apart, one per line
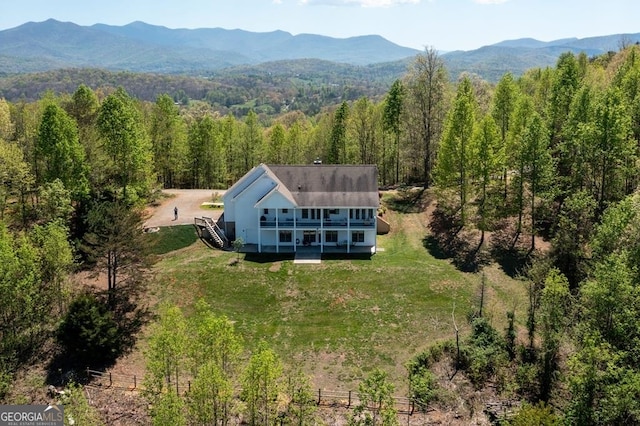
141 47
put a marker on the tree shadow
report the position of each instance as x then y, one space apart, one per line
408 200
509 252
433 247
448 239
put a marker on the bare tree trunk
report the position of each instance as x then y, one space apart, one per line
455 326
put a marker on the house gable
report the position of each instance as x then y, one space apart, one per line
275 200
244 182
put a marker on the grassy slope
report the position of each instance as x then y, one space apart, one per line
343 317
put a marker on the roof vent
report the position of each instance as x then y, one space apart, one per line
317 161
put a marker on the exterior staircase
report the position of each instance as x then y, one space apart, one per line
214 231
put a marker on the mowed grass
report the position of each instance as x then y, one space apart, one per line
343 317
172 238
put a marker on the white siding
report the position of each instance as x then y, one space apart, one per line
247 217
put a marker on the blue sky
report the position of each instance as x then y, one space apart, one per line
442 24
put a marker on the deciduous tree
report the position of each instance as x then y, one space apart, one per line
554 307
364 131
127 145
168 137
611 147
166 353
538 166
6 126
453 168
393 111
60 152
261 383
426 91
376 406
487 161
15 175
504 103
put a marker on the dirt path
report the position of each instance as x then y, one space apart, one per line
188 202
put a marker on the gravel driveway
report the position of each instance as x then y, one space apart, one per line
188 202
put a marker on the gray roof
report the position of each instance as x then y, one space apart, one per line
330 185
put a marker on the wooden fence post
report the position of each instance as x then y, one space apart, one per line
110 379
349 403
135 384
319 396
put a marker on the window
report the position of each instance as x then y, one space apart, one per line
309 237
285 211
334 211
331 236
357 214
285 236
305 213
265 211
357 237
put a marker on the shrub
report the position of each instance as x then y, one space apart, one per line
483 354
527 380
427 358
89 332
423 388
539 414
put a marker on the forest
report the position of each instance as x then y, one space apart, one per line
541 169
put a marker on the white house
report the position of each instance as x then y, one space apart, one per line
332 208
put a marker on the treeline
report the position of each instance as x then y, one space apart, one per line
305 85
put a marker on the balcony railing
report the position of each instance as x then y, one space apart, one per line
306 223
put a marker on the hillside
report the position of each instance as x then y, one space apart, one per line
146 48
305 85
141 47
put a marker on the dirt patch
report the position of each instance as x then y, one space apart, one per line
189 204
118 407
275 266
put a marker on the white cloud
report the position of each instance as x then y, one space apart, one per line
490 1
362 3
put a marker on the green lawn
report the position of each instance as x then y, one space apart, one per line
340 318
172 238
